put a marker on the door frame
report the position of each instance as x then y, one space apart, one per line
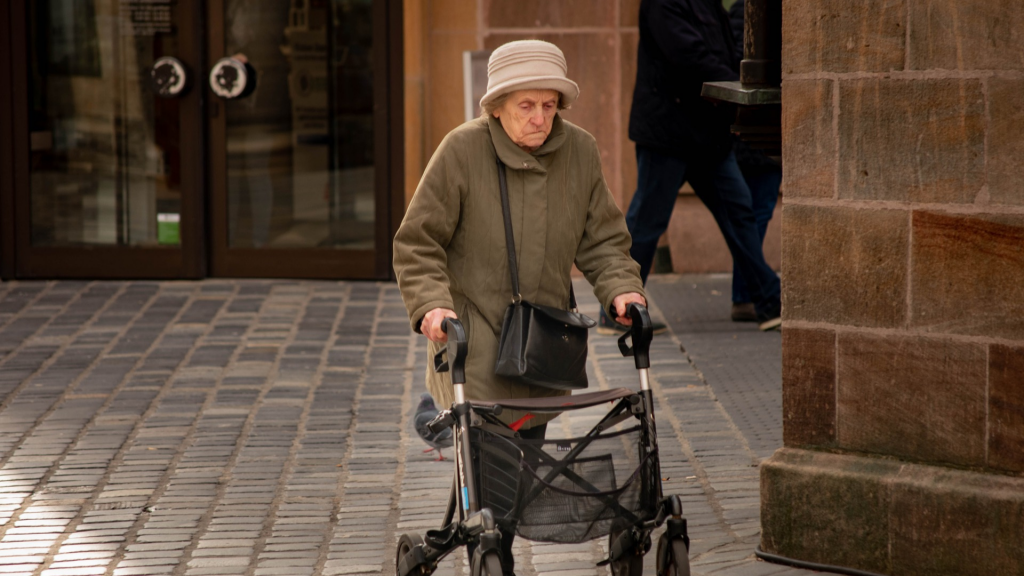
389 166
23 260
6 146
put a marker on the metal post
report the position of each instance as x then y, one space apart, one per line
762 43
469 495
645 379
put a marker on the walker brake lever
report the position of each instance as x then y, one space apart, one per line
455 351
641 333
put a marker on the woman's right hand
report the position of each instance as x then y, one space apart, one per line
431 324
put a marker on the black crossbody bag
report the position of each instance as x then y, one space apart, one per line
540 345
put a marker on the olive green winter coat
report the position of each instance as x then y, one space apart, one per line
450 249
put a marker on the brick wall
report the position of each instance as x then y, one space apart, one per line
903 229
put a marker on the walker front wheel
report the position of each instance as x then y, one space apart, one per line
486 564
631 565
409 559
673 558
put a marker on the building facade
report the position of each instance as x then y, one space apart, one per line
599 39
130 148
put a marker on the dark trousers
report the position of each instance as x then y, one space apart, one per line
764 193
722 189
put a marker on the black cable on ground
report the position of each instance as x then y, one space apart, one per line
769 557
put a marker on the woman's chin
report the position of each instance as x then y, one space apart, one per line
533 141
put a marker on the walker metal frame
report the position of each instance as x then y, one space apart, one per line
476 525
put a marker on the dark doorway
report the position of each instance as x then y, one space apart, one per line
130 159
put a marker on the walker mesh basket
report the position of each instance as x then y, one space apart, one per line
566 490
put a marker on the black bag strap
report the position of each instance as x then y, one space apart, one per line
510 242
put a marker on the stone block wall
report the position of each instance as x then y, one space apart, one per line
903 226
903 256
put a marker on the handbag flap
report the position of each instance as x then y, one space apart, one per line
564 316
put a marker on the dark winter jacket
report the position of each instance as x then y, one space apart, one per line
683 44
736 13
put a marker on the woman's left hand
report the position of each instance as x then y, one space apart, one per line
621 303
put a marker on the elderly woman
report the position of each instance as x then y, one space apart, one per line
450 254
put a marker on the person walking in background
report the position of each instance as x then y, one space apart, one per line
763 176
681 137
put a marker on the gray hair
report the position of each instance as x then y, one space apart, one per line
499 101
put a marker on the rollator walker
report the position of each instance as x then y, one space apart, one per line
606 483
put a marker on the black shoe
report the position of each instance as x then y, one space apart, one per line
743 312
608 327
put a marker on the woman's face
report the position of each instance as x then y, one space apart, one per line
527 116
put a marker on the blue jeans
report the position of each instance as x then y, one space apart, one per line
721 187
764 192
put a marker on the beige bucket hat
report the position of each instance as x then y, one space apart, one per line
528 65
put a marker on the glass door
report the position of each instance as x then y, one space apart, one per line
302 134
110 174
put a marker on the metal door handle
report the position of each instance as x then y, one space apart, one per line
170 77
231 78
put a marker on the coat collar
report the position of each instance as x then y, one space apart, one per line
515 157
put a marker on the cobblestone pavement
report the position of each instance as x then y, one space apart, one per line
263 428
742 365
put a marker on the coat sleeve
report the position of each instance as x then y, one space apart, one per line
679 39
603 252
420 257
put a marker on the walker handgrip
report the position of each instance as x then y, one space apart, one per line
456 349
642 332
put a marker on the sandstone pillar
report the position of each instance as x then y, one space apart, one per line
903 288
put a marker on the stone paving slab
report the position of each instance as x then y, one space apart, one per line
264 428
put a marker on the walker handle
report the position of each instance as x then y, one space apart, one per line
456 349
642 332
